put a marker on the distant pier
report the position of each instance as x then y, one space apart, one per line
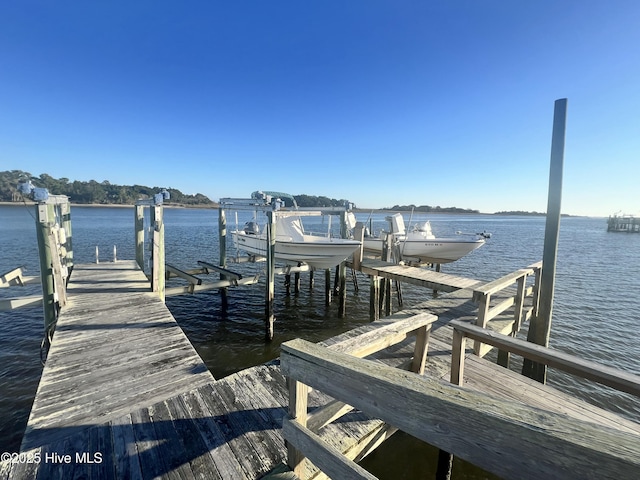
624 223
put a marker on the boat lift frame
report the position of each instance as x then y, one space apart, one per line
271 204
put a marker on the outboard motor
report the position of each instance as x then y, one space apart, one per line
252 228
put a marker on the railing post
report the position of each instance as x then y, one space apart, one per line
421 348
457 357
519 305
298 399
483 318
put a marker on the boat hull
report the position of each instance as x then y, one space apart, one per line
317 252
438 250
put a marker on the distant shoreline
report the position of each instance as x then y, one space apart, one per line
215 206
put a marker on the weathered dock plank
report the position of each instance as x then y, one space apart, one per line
116 346
423 277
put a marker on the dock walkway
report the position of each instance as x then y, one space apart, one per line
116 346
423 277
124 395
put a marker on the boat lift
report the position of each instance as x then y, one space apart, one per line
273 206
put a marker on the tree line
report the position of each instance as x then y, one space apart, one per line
430 209
91 192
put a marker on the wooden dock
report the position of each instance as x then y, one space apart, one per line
124 395
422 277
116 347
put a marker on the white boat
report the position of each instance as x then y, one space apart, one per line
293 245
420 245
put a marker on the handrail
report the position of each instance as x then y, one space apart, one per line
483 296
495 434
377 336
612 377
383 334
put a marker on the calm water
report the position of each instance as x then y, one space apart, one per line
595 308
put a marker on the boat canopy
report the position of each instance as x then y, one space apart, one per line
260 195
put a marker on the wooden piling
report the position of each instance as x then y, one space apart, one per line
342 270
327 286
65 214
540 327
45 217
158 261
296 282
222 237
270 282
358 234
374 298
139 235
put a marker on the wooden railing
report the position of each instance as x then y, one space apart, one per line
617 379
484 295
495 434
383 334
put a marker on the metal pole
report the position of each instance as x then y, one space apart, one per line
540 327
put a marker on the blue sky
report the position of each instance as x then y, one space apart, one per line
427 102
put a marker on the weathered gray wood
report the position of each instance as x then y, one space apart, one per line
182 274
12 277
298 393
13 303
618 379
540 328
111 353
422 345
44 221
158 263
190 289
221 270
374 298
330 460
270 282
139 234
503 282
443 282
432 412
